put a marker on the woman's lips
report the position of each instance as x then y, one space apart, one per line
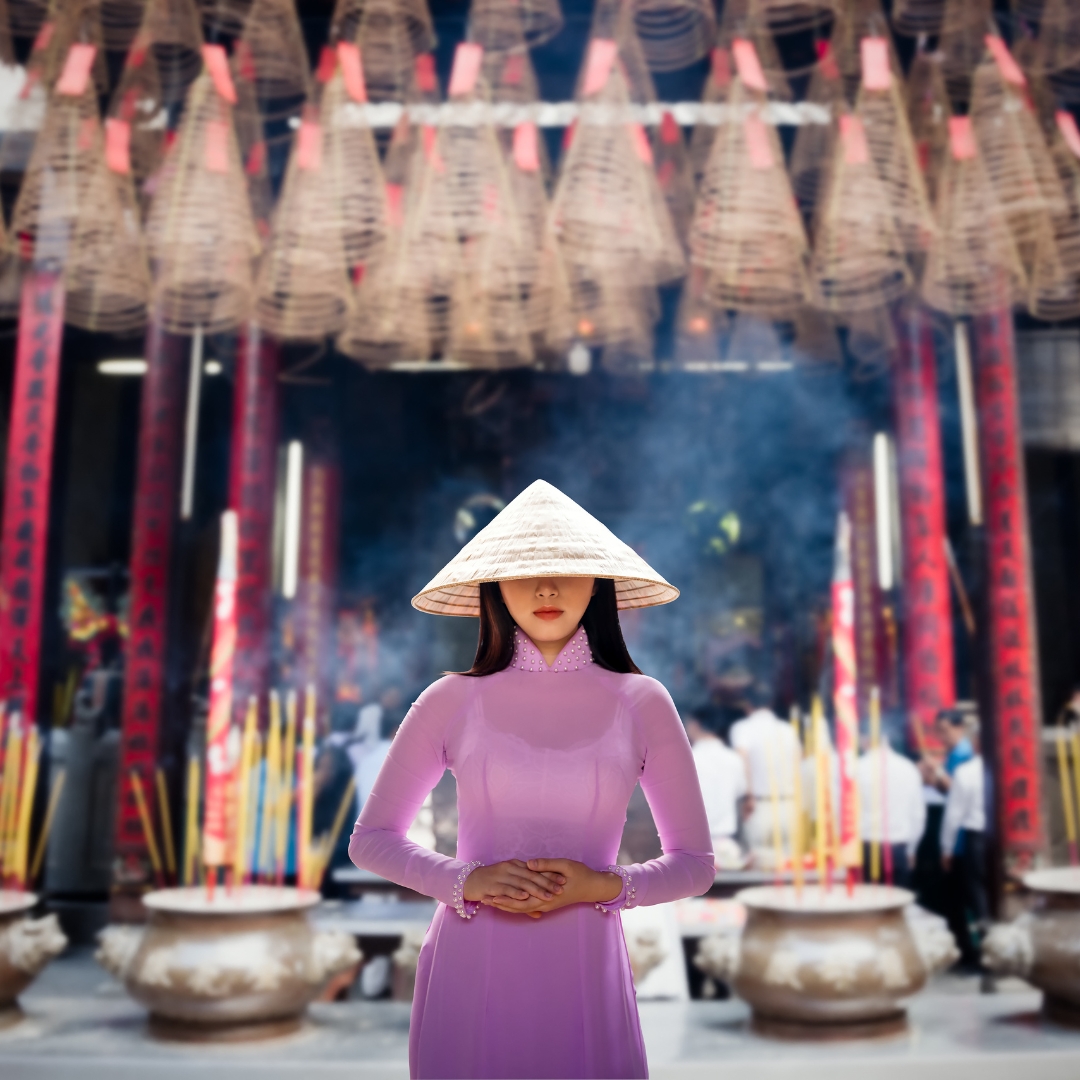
548 613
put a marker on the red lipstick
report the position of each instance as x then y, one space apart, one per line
548 613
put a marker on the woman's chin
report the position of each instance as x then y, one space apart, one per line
544 631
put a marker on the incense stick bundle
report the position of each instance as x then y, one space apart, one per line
191 826
147 826
243 794
46 826
165 816
1061 745
285 795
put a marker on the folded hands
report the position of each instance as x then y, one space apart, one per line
540 885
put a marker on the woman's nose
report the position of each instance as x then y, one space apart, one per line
546 588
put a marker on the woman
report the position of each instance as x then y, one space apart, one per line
524 970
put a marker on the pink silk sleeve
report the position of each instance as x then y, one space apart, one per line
669 781
412 768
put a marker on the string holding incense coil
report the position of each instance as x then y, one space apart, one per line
674 33
972 261
962 43
303 290
200 233
1054 291
107 275
812 151
858 261
928 116
746 227
1015 156
349 16
275 44
608 209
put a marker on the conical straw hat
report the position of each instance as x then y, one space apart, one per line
542 533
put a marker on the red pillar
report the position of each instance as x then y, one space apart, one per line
858 481
929 673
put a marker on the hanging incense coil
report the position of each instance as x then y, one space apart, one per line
962 43
608 209
613 21
742 20
928 116
502 25
25 17
699 327
883 113
812 152
172 32
791 16
254 151
746 229
75 23
972 261
107 276
1055 52
1013 150
1054 291
303 290
349 16
915 17
273 41
510 77
859 261
224 16
856 20
388 34
717 85
674 33
200 234
120 21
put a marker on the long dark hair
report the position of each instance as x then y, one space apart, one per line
495 646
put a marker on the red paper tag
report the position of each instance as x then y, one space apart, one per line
44 36
856 151
669 130
217 146
245 60
467 60
875 63
526 147
1006 62
827 60
309 145
358 274
431 147
424 66
76 73
641 143
217 63
394 196
327 63
602 52
962 138
748 65
352 71
136 56
1066 123
118 146
757 142
568 135
514 69
256 159
721 67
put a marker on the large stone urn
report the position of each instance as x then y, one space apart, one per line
26 946
826 964
243 965
1043 945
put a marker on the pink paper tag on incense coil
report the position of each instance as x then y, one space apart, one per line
641 144
217 63
514 69
669 130
962 138
602 53
757 142
424 68
327 64
568 135
256 159
76 73
1006 62
216 150
466 70
875 63
136 56
827 61
309 145
430 137
1066 123
721 67
394 197
748 65
118 146
527 147
352 71
44 36
856 151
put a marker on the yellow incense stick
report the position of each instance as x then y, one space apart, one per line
270 787
796 813
9 797
774 807
877 756
247 747
820 780
288 781
166 822
147 827
191 826
255 794
1075 740
46 826
26 805
326 848
305 811
1061 745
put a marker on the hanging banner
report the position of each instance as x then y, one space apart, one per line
1013 666
318 578
929 674
251 495
859 501
28 474
156 481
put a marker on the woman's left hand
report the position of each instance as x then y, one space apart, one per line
581 885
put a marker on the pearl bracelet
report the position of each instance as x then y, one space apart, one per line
458 894
627 895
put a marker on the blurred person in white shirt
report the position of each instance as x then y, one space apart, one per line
722 776
770 750
893 810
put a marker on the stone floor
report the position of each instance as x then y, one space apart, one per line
80 1025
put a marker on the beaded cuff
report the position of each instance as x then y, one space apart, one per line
465 908
625 899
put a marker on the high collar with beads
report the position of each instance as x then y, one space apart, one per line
575 654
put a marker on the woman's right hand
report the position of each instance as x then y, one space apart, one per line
514 879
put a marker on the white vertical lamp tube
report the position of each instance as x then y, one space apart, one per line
191 426
883 512
969 424
294 479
